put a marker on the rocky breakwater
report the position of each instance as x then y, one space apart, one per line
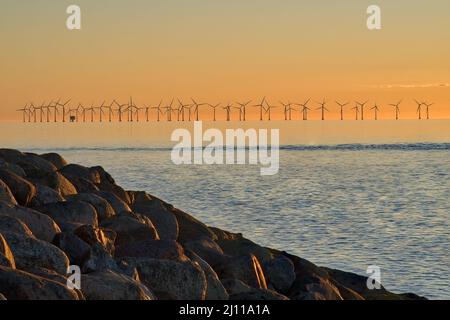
131 245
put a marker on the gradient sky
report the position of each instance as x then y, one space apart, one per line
219 50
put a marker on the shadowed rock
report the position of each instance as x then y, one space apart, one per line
109 285
92 235
55 159
170 279
6 256
208 250
2 297
45 195
107 183
155 209
130 229
214 289
81 172
103 208
12 167
238 290
118 204
245 268
76 249
156 249
11 224
280 273
57 182
20 285
6 194
190 228
69 214
42 226
22 189
30 252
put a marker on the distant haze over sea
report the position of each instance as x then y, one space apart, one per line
154 134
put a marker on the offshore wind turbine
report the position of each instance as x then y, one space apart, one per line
287 109
33 111
419 108
214 107
158 110
375 109
356 108
195 105
63 106
261 108
397 109
47 107
304 109
228 110
181 109
240 112
83 111
24 111
342 105
101 112
243 108
169 111
428 105
362 104
55 110
323 108
119 109
269 108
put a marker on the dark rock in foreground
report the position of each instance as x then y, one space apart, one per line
130 245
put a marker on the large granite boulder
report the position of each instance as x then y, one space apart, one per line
6 256
30 252
20 285
42 226
6 194
109 285
22 189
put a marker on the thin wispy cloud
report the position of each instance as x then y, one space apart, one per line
411 86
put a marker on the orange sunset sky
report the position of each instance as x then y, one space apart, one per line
220 51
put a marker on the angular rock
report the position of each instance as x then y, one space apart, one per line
35 166
20 285
280 273
57 182
6 194
170 279
245 268
81 184
164 221
11 224
30 252
130 229
107 183
214 289
22 189
155 249
118 204
109 285
190 228
6 256
103 208
208 250
42 226
236 245
55 159
81 172
45 195
12 167
100 260
238 290
76 249
92 235
69 214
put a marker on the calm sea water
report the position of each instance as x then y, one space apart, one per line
345 207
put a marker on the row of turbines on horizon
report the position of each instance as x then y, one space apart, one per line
56 111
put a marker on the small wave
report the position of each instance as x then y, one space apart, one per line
339 147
